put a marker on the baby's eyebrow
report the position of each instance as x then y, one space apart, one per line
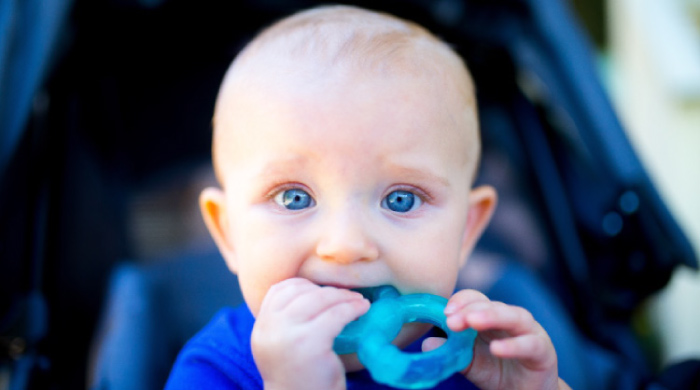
418 174
282 165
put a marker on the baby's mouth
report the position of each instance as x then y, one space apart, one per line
372 294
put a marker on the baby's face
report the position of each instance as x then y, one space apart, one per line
363 184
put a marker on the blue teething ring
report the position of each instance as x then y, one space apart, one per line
371 336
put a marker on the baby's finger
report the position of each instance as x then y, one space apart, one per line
282 293
464 298
432 343
308 305
512 320
534 351
328 324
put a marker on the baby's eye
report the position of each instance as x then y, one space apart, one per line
401 201
294 199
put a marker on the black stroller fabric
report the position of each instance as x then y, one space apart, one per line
610 241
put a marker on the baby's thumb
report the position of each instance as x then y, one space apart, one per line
432 343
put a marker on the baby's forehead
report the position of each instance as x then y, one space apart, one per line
316 48
340 39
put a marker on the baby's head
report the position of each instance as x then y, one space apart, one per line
346 143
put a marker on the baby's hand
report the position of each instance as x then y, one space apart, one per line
512 350
293 336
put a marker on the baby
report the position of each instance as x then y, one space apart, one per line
346 144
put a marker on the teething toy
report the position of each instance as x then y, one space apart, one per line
371 335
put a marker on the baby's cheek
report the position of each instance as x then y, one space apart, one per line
253 295
432 264
255 284
430 280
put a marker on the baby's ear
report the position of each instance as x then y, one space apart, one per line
482 203
212 203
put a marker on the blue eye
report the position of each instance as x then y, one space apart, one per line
294 199
401 201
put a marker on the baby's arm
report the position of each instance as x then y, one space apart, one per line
292 340
512 350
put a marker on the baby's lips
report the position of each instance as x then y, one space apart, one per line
341 287
371 293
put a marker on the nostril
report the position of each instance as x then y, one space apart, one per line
345 239
346 251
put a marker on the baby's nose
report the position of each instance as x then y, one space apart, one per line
345 239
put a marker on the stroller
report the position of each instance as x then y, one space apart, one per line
128 74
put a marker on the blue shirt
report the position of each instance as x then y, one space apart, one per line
220 357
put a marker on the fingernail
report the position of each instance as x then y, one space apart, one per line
359 296
451 308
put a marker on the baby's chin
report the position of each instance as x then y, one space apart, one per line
409 333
